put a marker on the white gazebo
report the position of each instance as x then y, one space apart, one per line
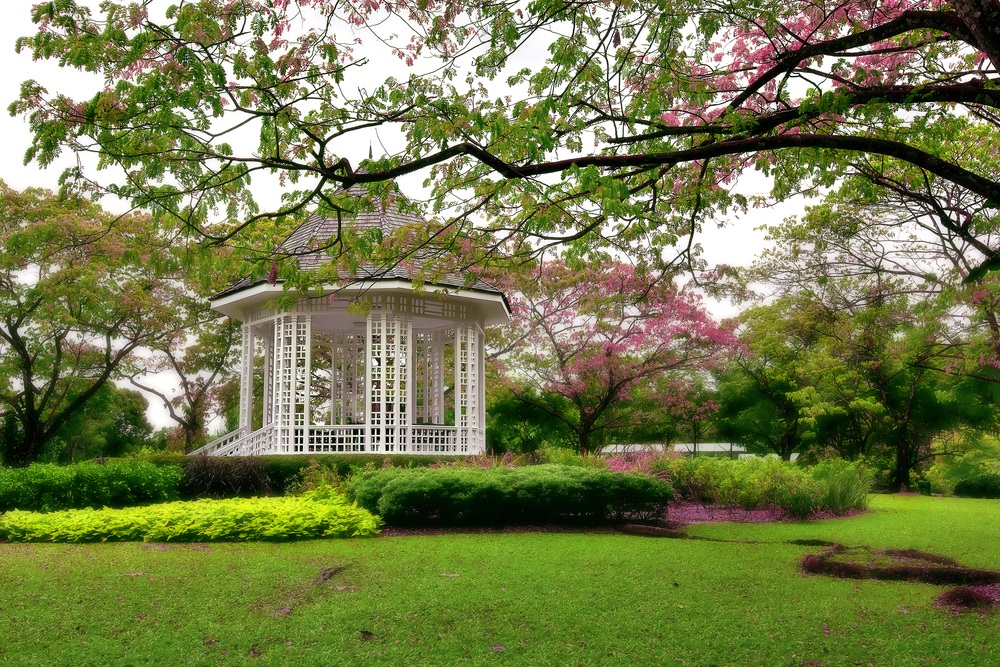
406 378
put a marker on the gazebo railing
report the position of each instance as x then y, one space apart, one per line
332 439
433 440
213 447
352 439
240 443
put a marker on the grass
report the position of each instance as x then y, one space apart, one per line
502 599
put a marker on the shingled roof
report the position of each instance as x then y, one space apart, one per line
317 229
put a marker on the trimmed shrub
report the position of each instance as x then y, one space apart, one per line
981 486
504 496
47 487
313 515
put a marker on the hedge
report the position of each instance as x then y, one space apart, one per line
981 486
49 487
283 469
504 496
163 477
312 515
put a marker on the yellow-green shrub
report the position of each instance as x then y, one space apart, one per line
313 515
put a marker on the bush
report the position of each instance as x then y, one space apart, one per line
568 457
980 486
798 495
224 477
759 483
313 477
282 471
49 487
503 496
844 486
313 515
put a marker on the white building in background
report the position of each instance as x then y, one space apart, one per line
406 378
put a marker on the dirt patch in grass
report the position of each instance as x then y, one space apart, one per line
973 588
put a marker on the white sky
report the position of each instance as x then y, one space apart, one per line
736 243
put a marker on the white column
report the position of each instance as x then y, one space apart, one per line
406 402
436 374
246 379
477 394
304 369
285 385
334 389
371 349
461 398
268 398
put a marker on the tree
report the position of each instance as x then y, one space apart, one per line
513 425
757 387
201 353
112 423
870 379
587 124
589 337
80 291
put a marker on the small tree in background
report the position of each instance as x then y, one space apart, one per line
80 292
112 423
202 355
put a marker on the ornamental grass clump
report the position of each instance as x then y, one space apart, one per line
844 486
317 514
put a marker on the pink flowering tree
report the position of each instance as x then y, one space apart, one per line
589 340
591 124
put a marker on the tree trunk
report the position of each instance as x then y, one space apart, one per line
901 475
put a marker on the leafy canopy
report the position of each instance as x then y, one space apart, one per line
553 121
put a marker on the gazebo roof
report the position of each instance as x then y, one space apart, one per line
306 241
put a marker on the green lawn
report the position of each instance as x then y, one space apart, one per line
545 599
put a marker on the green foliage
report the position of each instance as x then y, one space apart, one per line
961 456
313 515
844 486
502 496
283 471
313 477
111 423
869 377
981 486
513 425
224 477
49 487
759 483
797 496
568 457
